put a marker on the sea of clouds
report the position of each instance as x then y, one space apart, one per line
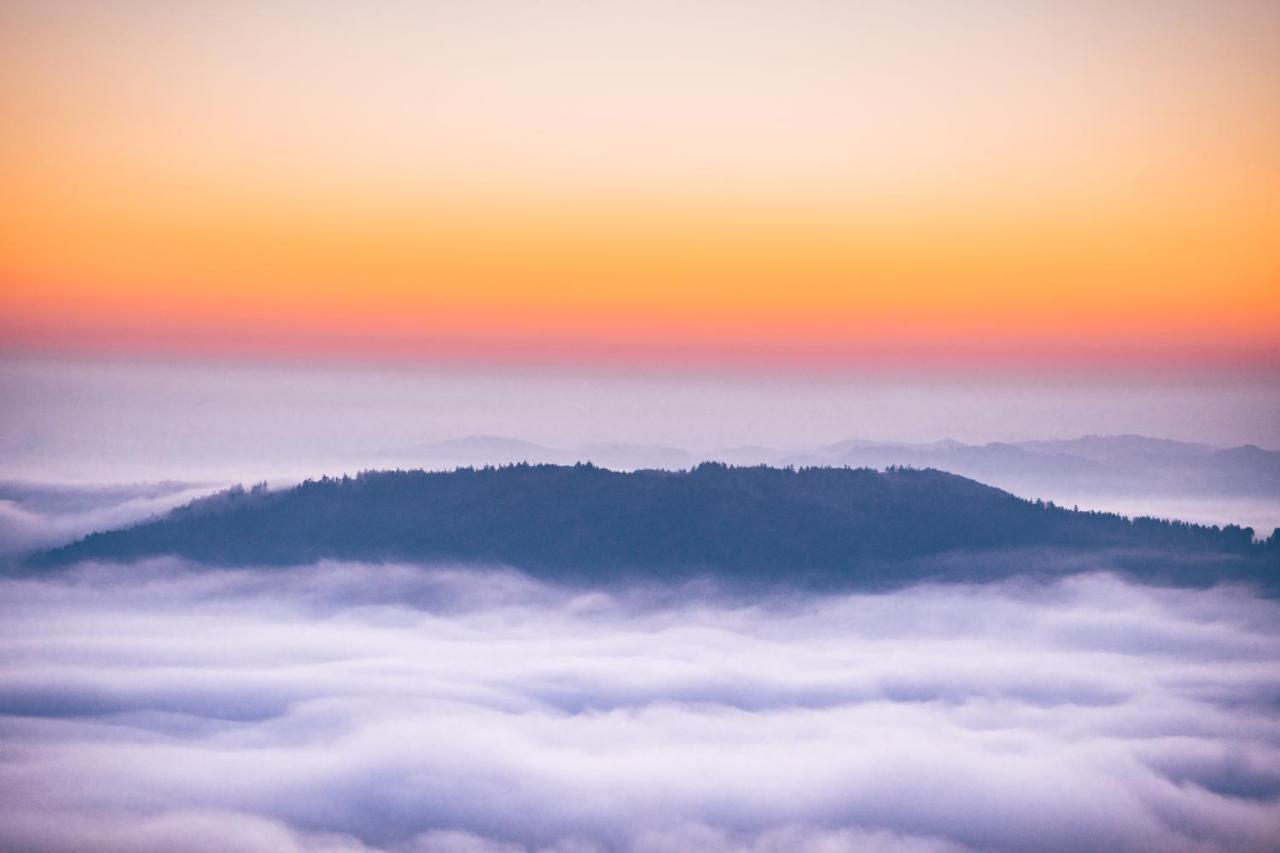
345 707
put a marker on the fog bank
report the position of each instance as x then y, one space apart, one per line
42 515
348 707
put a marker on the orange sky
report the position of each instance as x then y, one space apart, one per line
772 182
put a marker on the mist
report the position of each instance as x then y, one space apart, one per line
40 515
121 421
405 708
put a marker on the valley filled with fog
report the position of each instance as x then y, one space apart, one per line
389 707
420 706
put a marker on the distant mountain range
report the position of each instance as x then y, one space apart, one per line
1092 466
815 525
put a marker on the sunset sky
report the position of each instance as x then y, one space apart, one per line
816 183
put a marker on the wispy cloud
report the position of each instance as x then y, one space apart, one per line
36 515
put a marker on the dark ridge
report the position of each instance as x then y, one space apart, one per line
825 525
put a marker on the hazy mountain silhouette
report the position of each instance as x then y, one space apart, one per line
815 524
621 456
1086 469
1102 448
1090 466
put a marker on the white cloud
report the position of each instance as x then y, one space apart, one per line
36 516
344 707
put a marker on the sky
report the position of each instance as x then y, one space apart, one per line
131 420
799 186
277 240
273 239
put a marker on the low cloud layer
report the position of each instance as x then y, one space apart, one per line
41 515
346 707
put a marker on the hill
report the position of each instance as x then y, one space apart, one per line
581 521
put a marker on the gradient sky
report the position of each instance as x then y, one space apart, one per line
822 183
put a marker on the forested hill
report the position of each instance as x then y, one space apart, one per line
584 521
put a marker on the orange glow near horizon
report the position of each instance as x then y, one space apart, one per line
800 184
